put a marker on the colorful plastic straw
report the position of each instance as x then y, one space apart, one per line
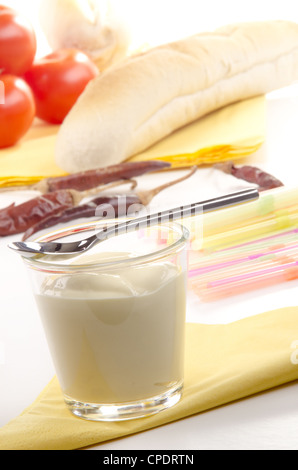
259 253
287 249
245 284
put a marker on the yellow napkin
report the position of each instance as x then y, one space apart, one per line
230 133
223 363
32 158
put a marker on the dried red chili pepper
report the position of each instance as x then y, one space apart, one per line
18 218
93 178
251 174
256 175
90 209
63 205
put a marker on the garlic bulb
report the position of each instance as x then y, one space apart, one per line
93 26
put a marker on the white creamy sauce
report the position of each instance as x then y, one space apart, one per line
116 337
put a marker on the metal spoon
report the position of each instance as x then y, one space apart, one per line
29 249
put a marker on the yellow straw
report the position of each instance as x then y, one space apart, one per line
275 211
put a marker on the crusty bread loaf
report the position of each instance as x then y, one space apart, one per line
135 104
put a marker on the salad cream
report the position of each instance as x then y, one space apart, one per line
116 337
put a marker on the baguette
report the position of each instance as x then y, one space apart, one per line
142 100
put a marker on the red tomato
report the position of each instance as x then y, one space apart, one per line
57 81
17 42
17 109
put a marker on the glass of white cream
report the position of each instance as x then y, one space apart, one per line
114 319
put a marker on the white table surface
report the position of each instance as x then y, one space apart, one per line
266 421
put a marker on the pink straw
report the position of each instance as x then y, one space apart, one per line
252 257
244 277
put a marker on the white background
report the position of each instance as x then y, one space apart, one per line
158 21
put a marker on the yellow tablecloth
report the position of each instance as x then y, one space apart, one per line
230 133
223 363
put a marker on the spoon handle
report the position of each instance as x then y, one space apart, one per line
179 213
30 249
